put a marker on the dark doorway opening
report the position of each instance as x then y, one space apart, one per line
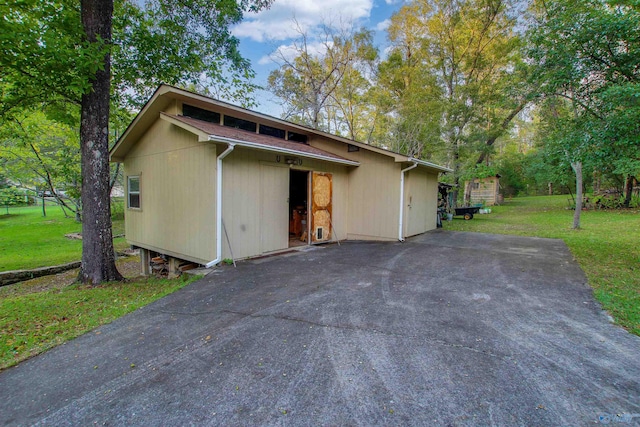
298 198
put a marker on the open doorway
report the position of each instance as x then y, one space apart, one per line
298 198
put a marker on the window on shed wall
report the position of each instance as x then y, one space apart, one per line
133 192
234 122
298 137
200 114
271 131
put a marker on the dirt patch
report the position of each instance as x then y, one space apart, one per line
129 267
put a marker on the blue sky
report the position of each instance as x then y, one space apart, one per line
263 33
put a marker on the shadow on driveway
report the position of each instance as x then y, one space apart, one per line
443 329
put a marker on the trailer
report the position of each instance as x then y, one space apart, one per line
467 212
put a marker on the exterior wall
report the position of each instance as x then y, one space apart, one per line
177 194
421 201
244 194
487 192
374 190
374 193
178 200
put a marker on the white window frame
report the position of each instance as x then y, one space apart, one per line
129 192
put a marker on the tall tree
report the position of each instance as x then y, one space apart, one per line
588 51
98 256
323 82
40 154
56 55
471 52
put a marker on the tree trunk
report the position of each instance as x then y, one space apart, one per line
628 191
456 174
467 192
596 181
98 257
577 168
502 129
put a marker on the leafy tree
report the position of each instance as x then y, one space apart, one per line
588 51
57 56
408 95
467 56
325 84
40 154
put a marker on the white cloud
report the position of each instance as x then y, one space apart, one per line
383 25
276 23
290 51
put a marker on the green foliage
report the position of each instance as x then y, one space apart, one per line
588 52
606 247
180 43
33 323
12 196
328 90
453 79
42 155
613 201
46 58
44 55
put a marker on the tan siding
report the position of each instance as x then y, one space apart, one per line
421 190
374 192
177 190
243 193
374 197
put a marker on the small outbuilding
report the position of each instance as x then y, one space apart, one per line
485 191
207 181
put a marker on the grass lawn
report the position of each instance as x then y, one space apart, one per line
36 317
607 246
29 240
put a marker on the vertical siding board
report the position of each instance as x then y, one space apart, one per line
178 176
374 189
174 167
422 194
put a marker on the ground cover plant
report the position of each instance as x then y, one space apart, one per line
30 240
606 245
39 314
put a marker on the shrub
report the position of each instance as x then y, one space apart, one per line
14 197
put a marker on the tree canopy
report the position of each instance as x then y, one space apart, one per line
64 58
461 80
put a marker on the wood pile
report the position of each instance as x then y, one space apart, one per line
163 266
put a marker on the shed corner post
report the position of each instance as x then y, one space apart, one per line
144 262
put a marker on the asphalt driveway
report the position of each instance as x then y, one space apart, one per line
443 329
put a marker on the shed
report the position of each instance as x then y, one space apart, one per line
484 190
205 179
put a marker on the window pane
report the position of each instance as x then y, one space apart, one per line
297 137
271 131
235 122
134 200
200 114
134 184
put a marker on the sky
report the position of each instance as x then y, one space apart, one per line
264 32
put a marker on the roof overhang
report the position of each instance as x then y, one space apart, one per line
166 94
429 165
204 137
251 145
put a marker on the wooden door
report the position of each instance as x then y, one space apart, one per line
321 205
274 218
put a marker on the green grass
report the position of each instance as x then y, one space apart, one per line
31 323
607 246
29 240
